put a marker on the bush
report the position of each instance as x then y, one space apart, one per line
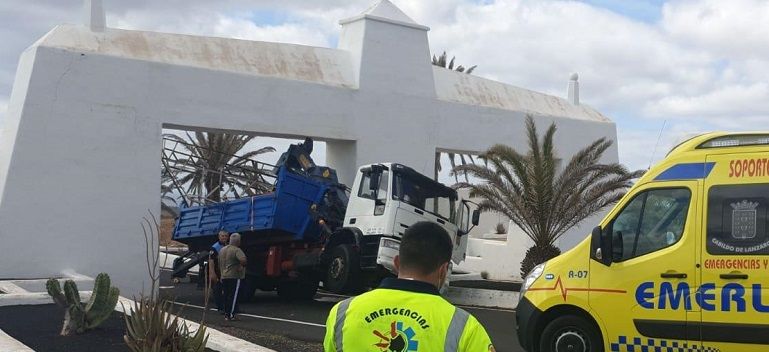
537 255
150 324
150 327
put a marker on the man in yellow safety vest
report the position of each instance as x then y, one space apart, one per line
408 314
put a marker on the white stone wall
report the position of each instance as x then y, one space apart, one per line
80 147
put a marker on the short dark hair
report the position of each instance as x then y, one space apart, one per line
425 247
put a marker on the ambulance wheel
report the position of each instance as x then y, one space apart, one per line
343 272
570 333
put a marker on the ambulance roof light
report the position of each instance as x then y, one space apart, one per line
736 141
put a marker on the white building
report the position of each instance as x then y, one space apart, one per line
79 159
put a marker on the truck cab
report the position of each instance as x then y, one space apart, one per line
385 200
681 263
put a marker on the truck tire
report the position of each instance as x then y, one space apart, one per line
570 333
302 289
343 271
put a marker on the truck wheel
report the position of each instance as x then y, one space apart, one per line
343 272
298 289
570 333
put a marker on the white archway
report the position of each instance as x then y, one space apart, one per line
80 147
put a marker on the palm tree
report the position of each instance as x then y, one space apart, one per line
167 201
543 201
441 61
217 165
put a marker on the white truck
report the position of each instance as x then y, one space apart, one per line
385 200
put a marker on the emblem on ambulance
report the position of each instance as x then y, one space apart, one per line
397 339
744 219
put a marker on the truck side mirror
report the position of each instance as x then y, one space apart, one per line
476 217
373 184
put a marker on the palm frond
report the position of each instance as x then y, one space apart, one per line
210 172
441 61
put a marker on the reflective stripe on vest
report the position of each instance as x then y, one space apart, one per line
453 334
340 315
457 326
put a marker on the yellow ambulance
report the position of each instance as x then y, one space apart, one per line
681 263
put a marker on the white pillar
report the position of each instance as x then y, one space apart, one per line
342 156
574 89
94 16
389 49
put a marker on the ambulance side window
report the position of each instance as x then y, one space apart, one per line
653 220
738 220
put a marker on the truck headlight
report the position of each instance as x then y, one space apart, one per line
533 275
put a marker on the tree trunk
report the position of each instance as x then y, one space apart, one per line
213 187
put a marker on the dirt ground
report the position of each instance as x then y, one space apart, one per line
166 231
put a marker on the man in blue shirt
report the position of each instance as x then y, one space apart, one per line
214 273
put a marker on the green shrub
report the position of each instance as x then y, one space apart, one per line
150 327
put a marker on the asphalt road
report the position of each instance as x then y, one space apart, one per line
299 326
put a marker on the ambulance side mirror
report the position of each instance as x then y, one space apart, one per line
601 246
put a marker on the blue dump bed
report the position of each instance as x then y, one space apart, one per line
286 211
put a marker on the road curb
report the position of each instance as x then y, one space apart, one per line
9 344
482 298
217 340
33 298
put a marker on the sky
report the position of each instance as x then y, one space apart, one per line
689 66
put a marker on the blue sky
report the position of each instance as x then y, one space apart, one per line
642 10
268 17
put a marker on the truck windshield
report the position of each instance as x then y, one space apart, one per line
425 194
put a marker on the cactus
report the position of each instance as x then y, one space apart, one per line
79 317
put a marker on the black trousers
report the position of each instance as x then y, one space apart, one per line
231 288
217 290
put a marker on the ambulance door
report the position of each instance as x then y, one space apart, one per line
734 294
643 297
